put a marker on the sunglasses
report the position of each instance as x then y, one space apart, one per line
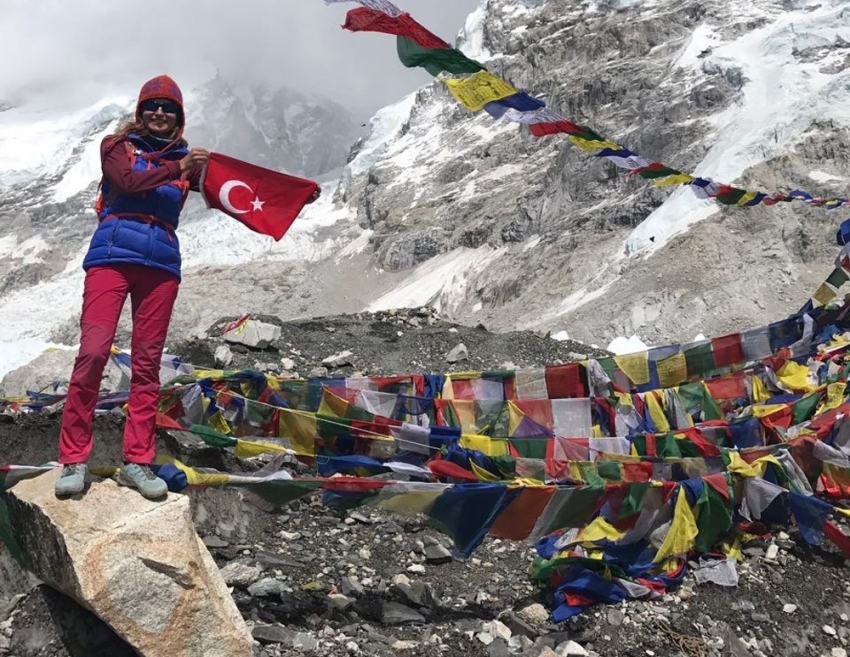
167 106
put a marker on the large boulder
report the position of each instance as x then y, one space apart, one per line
137 564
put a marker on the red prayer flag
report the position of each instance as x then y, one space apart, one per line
566 381
264 200
543 129
364 19
728 350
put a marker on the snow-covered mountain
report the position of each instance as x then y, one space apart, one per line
476 216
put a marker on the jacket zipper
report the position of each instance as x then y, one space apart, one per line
112 237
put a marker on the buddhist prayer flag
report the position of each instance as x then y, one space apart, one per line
265 201
479 89
435 60
365 19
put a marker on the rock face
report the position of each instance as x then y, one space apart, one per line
138 565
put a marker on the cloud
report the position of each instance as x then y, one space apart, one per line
77 52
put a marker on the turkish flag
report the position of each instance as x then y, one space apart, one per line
264 200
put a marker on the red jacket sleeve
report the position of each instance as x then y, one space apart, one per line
194 178
118 170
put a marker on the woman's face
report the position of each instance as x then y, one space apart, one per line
159 116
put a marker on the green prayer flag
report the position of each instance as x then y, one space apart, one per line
714 519
803 409
699 359
435 61
837 278
212 437
633 501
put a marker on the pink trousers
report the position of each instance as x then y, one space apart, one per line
152 294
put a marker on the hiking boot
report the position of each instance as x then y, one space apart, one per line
73 479
142 478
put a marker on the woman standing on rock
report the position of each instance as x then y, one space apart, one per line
148 171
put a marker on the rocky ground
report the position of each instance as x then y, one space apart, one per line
405 341
310 580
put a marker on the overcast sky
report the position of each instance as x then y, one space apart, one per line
78 51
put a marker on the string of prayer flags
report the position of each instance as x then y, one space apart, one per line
482 90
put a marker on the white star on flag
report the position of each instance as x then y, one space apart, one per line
257 204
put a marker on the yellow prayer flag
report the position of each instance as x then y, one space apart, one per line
683 531
479 89
482 474
299 427
194 477
248 448
219 423
599 530
767 409
672 370
333 405
634 366
760 393
824 294
656 412
675 179
485 444
515 417
747 197
795 376
590 145
407 501
835 393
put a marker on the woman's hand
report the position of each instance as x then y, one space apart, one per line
197 157
315 196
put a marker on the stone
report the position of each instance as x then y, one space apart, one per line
498 630
223 355
339 601
499 648
252 333
239 574
351 586
615 617
287 364
519 644
437 554
772 552
395 613
460 352
535 614
338 360
829 630
789 608
305 642
318 373
417 568
404 645
267 634
838 652
137 564
215 542
519 626
571 649
277 560
267 587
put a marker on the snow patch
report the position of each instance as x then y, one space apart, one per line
17 353
620 345
384 128
823 176
441 281
769 117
